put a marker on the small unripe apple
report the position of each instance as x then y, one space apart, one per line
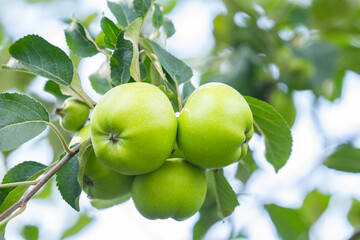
176 190
215 126
133 128
73 114
99 181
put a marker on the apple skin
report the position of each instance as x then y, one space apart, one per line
73 114
215 126
133 128
99 181
175 190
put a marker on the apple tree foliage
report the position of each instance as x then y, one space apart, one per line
302 47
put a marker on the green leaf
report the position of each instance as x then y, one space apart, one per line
176 68
187 90
157 19
110 30
34 54
103 204
345 158
80 224
120 61
30 232
354 214
168 27
83 155
209 211
79 40
141 7
66 181
246 167
100 80
123 12
18 192
19 173
132 33
225 196
54 89
21 119
277 134
295 223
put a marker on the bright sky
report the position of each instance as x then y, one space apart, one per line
193 38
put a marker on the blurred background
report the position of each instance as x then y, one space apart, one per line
301 56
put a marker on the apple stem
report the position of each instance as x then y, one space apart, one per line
62 140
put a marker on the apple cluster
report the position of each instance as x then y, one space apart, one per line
140 147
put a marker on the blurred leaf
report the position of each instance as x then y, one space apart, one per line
141 7
296 223
168 27
21 119
208 217
176 68
66 181
19 173
345 158
120 61
246 167
132 33
100 80
277 134
284 104
354 214
123 12
168 5
79 40
54 89
110 30
225 196
103 204
30 232
324 58
157 17
80 224
34 54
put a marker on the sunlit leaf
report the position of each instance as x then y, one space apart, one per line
346 158
35 55
277 134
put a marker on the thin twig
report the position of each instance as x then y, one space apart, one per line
16 184
22 202
355 235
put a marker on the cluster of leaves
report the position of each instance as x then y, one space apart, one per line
270 49
131 55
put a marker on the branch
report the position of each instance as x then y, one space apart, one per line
22 202
355 235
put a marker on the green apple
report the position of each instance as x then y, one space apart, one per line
215 126
133 128
99 181
175 190
73 114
